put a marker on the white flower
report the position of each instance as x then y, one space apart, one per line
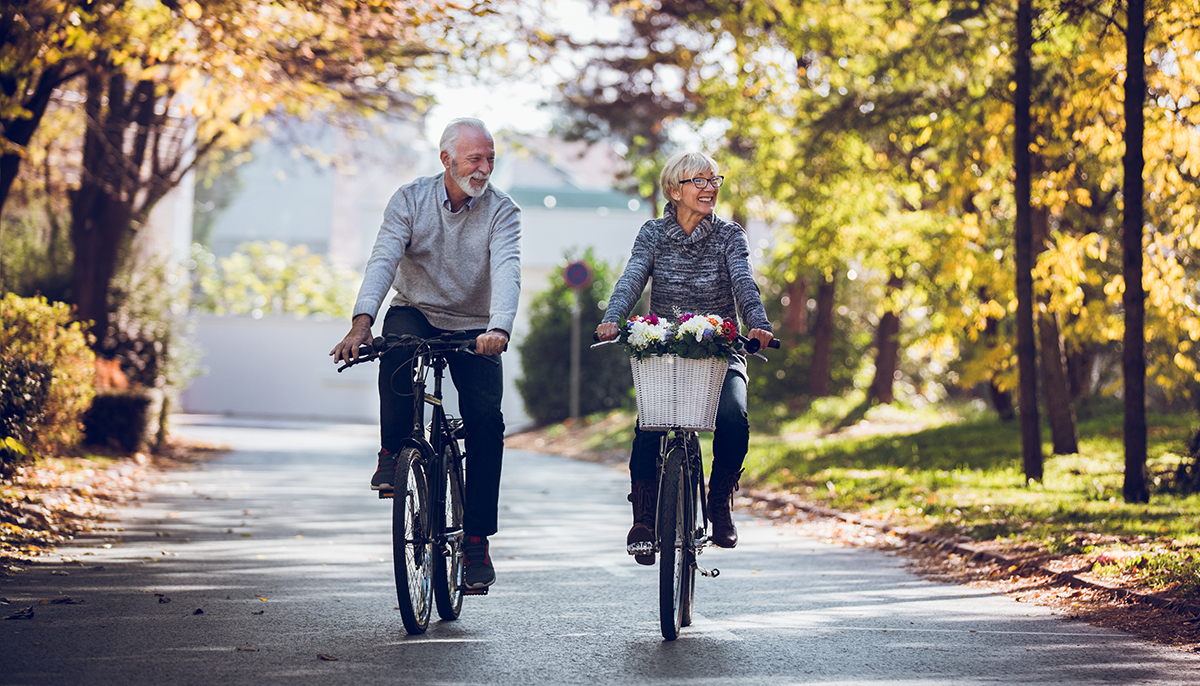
696 326
642 334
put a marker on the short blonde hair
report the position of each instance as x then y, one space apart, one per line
684 165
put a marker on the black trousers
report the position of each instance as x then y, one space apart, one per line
480 387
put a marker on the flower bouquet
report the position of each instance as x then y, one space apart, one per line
692 336
678 368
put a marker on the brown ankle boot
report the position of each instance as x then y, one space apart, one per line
640 541
721 486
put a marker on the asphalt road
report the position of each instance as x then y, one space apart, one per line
248 568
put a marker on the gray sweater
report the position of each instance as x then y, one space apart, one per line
462 271
707 272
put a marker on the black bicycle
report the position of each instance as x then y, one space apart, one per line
681 519
427 505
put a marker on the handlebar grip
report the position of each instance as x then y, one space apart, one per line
753 345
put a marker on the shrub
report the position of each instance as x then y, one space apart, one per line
36 330
118 420
605 381
24 388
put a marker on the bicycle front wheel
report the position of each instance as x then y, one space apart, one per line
412 548
448 562
674 528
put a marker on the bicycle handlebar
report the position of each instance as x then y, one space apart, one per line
451 342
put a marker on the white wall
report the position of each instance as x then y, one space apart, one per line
279 368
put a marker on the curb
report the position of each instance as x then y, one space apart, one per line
972 552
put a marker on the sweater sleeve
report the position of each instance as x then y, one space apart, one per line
633 280
393 238
741 275
505 249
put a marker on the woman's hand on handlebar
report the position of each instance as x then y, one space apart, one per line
607 331
763 337
491 342
360 335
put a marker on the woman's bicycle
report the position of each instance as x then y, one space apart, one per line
681 520
427 505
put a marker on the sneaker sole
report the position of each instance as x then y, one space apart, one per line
382 487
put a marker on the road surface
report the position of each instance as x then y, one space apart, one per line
257 566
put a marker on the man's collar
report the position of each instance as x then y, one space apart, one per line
446 197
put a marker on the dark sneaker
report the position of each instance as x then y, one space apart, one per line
479 572
386 473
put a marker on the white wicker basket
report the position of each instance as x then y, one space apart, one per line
677 392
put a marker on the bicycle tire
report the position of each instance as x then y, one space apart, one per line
412 546
689 562
448 563
672 546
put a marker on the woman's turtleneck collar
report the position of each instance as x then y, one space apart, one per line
675 229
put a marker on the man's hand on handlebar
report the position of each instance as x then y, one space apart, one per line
360 335
491 342
607 331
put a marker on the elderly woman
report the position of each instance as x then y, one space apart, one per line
699 263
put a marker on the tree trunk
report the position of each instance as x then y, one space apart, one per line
19 130
1031 441
1056 388
887 351
1001 400
819 375
1079 371
1133 358
102 208
1059 409
795 313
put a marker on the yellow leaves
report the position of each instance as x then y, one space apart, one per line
192 11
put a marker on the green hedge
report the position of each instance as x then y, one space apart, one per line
605 380
37 331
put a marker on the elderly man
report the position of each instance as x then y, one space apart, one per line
450 246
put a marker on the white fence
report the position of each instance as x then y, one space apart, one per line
279 368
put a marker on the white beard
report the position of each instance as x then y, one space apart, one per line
464 182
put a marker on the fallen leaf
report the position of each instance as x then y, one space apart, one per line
198 611
258 613
60 573
248 650
163 599
27 613
327 658
66 601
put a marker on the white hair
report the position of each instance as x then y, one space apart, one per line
450 134
682 166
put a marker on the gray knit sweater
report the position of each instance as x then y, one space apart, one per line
462 271
707 272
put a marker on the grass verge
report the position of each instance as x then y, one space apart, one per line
956 471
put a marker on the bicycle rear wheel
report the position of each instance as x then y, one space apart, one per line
447 563
673 529
412 549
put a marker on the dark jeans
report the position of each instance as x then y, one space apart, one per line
480 387
730 440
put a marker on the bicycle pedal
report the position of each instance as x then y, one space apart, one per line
386 494
640 548
475 591
710 574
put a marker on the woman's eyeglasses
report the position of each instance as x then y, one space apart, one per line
702 183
